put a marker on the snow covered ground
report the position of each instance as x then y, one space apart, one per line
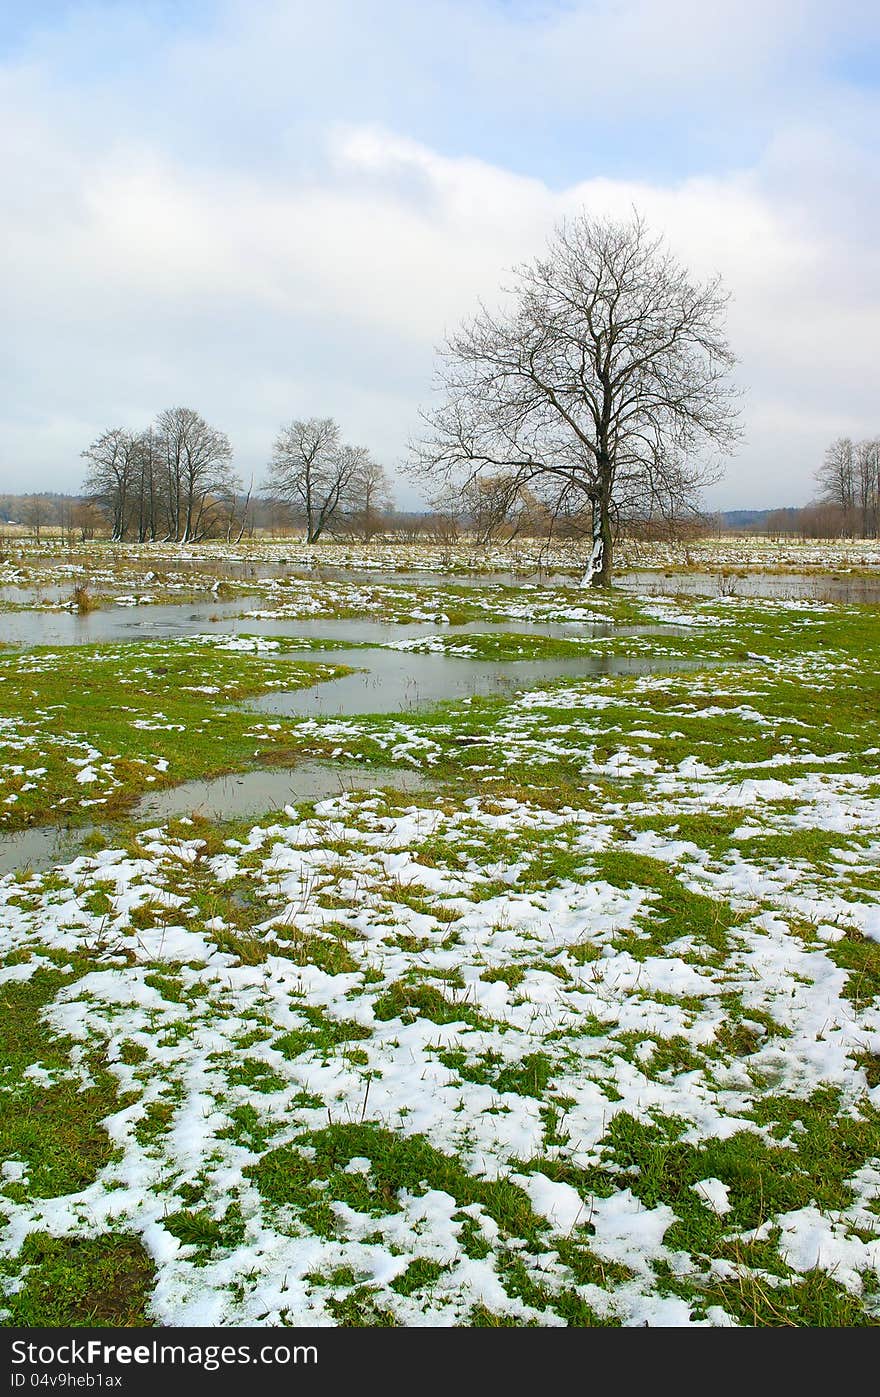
590 1033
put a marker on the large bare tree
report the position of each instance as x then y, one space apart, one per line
197 470
312 469
112 475
836 475
867 474
596 386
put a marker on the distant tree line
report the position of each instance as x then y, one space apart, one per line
847 504
74 517
849 482
175 481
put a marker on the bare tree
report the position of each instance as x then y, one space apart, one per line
145 486
823 520
36 513
836 478
493 506
313 469
783 522
86 518
369 497
866 470
597 385
111 475
173 479
197 471
237 518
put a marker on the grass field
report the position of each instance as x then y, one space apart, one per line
587 1033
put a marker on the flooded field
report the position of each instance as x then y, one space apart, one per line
387 943
789 586
395 682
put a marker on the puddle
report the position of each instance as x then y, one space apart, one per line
367 631
235 795
30 594
225 618
393 681
41 848
790 586
386 681
250 793
116 623
396 681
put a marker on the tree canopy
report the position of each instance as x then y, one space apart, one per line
313 469
595 386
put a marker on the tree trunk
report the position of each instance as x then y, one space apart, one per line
600 566
602 576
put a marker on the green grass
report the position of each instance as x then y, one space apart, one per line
406 1001
673 912
205 1234
323 1036
81 1282
55 1129
609 1064
529 1077
158 709
860 958
285 1177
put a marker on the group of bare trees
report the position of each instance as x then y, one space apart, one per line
849 482
589 401
326 481
175 481
172 481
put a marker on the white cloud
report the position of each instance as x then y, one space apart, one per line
318 274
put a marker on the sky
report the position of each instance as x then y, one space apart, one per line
268 209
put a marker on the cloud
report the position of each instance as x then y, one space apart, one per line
230 224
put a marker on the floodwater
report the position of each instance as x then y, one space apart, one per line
225 618
40 848
120 623
385 681
247 793
235 795
397 681
26 594
112 623
364 571
788 586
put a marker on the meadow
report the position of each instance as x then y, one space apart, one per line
570 1017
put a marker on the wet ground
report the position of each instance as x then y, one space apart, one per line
394 681
240 794
787 586
384 681
246 793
